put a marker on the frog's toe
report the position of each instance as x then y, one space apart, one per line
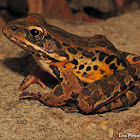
28 94
41 83
31 79
24 94
36 95
70 108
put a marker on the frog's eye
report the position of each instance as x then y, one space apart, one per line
35 33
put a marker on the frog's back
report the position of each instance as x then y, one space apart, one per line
92 57
96 42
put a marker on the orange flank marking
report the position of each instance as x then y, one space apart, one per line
2 56
96 74
92 75
60 64
132 62
130 59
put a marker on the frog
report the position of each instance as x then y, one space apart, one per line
93 75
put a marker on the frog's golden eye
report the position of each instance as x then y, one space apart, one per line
35 33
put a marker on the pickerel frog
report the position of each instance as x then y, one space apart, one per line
112 77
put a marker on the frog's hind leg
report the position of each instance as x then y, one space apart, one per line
132 58
52 98
126 100
105 91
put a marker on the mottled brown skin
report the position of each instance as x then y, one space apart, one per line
112 76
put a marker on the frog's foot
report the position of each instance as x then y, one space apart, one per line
70 108
30 79
24 94
36 95
37 76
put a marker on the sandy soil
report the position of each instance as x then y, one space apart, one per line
31 120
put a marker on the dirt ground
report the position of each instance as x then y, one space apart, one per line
32 120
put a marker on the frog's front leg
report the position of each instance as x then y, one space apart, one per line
68 89
37 76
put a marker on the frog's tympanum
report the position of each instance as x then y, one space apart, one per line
112 76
